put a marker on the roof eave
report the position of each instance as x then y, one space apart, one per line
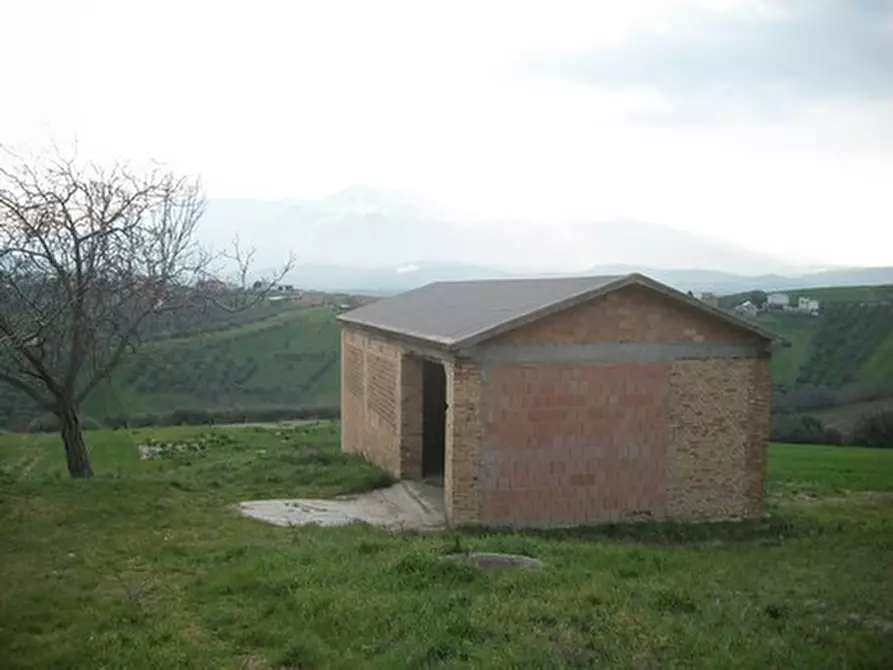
447 346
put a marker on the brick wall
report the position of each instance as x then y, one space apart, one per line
716 438
632 314
466 405
568 444
381 403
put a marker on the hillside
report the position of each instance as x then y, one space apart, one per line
850 342
286 360
846 344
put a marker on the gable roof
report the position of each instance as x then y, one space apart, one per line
460 314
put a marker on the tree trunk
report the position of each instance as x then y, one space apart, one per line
76 455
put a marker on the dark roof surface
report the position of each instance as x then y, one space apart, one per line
463 313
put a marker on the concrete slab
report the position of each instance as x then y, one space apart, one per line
405 505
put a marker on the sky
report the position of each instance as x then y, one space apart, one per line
765 123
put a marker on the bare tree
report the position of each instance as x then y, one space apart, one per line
89 257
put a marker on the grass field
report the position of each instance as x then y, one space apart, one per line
148 566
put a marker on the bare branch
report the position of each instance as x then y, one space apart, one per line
93 260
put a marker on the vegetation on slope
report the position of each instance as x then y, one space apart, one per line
290 359
837 371
287 360
847 336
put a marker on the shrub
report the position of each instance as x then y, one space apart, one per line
875 430
49 423
803 429
198 416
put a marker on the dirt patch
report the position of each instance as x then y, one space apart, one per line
405 505
872 498
154 449
272 425
494 561
880 625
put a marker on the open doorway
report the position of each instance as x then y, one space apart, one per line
433 420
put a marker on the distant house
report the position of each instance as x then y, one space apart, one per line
807 305
747 309
778 301
310 299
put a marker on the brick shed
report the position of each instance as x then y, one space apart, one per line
561 401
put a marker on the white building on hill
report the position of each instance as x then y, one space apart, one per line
808 305
778 301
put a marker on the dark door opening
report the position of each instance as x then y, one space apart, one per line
433 419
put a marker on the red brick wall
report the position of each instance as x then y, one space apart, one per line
632 314
567 445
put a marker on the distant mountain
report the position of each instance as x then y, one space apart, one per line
385 280
368 228
371 240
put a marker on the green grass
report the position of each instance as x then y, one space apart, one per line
148 566
798 329
832 469
879 367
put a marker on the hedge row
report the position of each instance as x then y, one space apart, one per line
872 430
186 417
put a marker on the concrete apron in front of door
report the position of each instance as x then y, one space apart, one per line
405 505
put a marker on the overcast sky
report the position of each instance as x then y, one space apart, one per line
769 124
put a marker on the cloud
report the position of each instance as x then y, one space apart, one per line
767 58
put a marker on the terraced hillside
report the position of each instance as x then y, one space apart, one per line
850 342
846 344
289 359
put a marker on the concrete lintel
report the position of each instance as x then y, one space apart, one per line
408 345
614 352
